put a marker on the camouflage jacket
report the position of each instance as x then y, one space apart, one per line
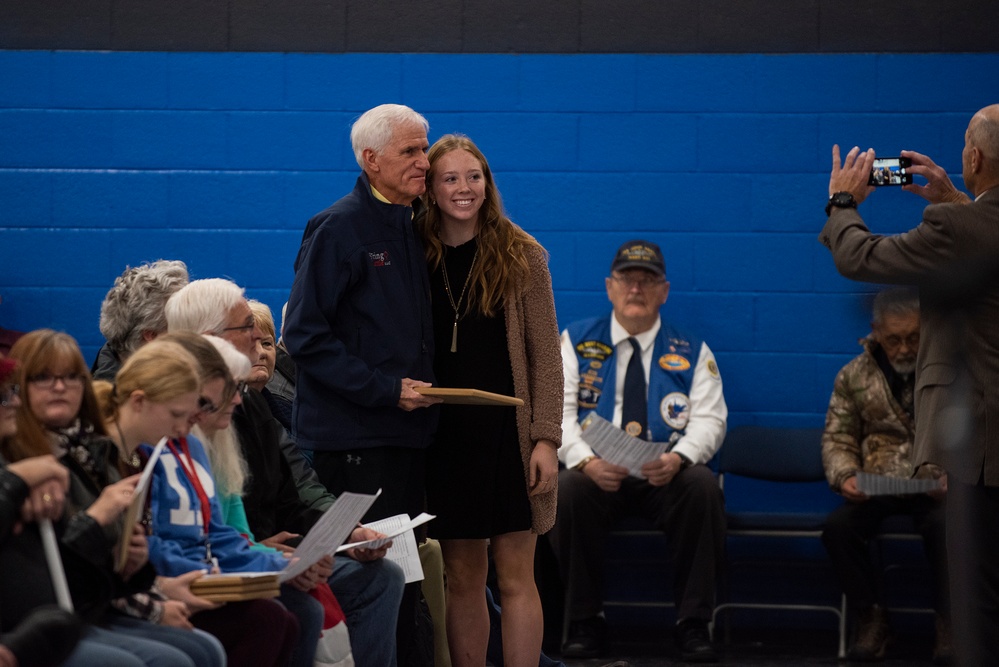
866 428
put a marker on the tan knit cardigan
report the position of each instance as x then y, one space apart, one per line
535 356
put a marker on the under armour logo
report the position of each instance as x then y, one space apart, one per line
353 459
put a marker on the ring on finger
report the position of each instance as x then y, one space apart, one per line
47 498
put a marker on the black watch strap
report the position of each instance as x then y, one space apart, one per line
840 200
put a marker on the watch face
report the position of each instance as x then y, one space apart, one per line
841 200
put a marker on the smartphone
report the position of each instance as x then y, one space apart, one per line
891 171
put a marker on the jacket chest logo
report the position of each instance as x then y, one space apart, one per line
380 258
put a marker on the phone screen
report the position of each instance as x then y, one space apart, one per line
890 171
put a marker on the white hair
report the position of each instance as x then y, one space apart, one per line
897 301
229 468
224 453
203 306
238 363
375 127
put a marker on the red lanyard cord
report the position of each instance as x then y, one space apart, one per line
187 464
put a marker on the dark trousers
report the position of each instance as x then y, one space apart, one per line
253 632
399 472
690 510
973 553
847 536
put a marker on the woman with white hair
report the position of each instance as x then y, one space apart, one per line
230 470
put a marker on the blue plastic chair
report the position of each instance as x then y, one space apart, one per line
773 480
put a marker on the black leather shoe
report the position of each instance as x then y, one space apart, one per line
694 641
587 638
44 638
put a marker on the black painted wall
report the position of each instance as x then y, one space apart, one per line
503 26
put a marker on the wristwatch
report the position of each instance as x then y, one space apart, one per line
684 461
841 200
582 464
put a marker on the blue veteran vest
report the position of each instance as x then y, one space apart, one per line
670 377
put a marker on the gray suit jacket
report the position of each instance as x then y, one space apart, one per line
953 256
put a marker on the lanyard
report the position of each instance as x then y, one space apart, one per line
187 464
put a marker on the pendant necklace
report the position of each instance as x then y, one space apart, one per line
457 306
132 460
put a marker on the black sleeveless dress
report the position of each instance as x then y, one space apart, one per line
475 476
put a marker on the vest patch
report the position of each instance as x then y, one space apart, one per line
588 395
594 349
674 362
675 410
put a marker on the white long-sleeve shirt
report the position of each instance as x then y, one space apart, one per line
706 427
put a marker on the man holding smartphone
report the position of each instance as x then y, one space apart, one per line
953 257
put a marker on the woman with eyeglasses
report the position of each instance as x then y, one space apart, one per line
231 473
60 417
185 498
30 490
158 393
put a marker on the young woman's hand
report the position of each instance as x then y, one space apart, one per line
179 589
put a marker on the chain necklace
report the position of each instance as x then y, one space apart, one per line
457 306
132 460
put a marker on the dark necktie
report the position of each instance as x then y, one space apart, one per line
634 408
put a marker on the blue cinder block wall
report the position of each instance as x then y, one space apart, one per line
110 159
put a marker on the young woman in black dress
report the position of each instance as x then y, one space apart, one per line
492 471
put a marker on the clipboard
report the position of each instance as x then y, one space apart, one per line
134 511
234 587
468 396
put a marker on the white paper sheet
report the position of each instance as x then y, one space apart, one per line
880 485
404 551
397 529
329 532
615 446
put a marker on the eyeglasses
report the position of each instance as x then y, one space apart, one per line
234 389
48 380
206 406
894 341
244 327
641 283
8 394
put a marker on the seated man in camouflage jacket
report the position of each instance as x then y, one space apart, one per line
870 428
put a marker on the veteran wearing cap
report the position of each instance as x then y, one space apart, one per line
659 384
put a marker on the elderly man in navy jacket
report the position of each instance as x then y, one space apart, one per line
359 330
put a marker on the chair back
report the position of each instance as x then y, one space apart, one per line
773 454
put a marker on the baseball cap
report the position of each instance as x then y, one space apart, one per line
640 255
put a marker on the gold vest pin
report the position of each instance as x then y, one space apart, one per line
634 429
